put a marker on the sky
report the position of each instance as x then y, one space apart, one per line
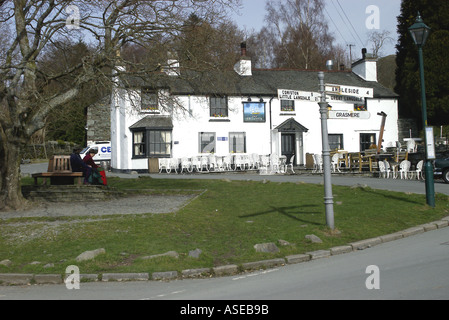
350 21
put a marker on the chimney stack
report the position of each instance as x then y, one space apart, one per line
243 49
366 68
243 66
363 53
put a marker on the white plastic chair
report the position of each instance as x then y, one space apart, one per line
196 163
384 169
212 162
264 164
173 164
404 168
418 170
335 163
239 162
291 164
227 162
204 163
220 163
186 164
275 163
255 161
317 163
163 165
411 146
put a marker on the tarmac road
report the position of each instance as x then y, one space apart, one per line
399 185
412 268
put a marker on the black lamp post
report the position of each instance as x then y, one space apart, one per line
420 32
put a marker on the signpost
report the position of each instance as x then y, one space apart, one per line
335 93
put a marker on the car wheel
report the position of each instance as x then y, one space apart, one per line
446 175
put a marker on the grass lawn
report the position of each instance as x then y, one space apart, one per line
225 221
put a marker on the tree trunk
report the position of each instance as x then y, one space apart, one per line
10 189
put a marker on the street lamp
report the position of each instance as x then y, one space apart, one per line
328 198
420 32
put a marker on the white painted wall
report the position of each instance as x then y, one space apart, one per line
194 118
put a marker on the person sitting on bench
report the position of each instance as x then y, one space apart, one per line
89 161
76 162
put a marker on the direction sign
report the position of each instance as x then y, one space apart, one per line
284 94
360 92
333 98
342 114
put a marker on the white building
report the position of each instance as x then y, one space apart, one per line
254 111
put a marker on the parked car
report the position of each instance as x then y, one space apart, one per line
103 151
441 166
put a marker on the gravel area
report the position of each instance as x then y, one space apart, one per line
126 205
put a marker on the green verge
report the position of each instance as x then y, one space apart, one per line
225 221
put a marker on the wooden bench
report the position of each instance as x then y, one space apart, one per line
59 171
359 161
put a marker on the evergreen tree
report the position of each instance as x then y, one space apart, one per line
435 14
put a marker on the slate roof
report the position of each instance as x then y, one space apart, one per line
154 121
291 125
262 82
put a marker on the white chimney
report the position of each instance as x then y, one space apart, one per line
243 66
365 68
172 68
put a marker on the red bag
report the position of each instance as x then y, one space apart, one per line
103 177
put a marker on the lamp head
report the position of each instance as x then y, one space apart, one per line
419 31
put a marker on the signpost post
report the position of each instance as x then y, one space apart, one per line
328 198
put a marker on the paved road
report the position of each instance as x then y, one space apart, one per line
411 268
400 185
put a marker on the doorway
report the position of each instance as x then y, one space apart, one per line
288 145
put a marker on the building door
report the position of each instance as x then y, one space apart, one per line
288 145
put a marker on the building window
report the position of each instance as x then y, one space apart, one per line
152 143
139 149
237 142
367 140
287 105
218 107
360 107
149 100
207 142
160 143
336 141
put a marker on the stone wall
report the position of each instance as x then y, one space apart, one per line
45 151
404 127
99 121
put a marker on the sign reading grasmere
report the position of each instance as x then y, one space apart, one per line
335 114
349 91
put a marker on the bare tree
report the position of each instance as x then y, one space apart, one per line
107 24
298 33
378 39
